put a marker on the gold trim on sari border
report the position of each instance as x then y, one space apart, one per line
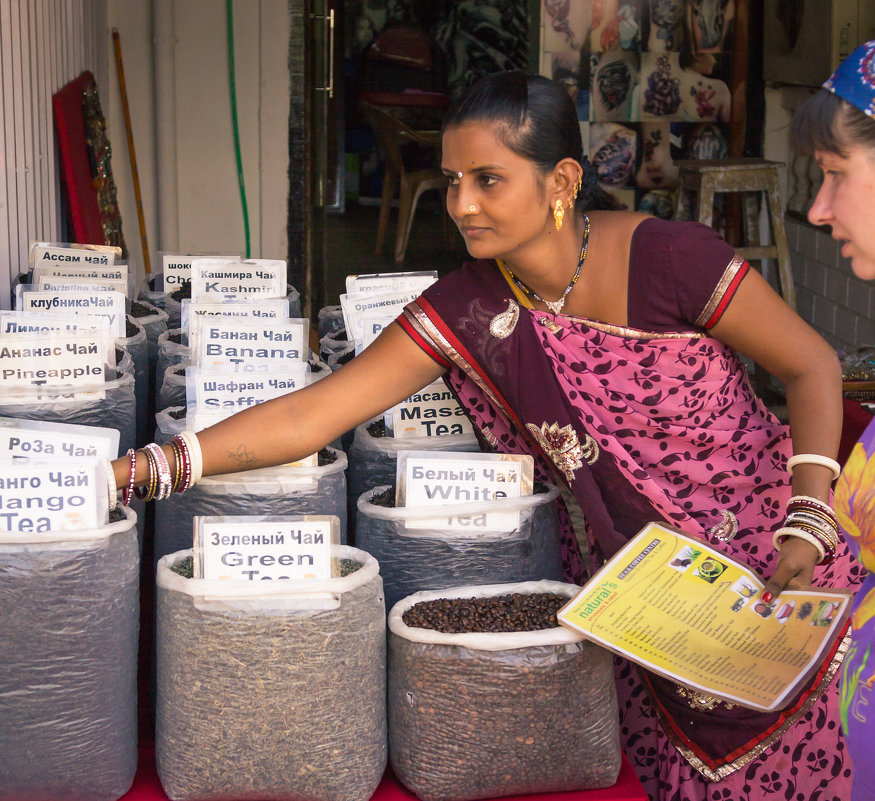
524 300
637 333
716 774
428 331
735 264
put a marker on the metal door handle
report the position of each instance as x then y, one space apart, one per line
329 19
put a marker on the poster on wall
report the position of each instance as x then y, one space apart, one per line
650 81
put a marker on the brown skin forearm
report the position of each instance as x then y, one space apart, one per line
759 324
301 423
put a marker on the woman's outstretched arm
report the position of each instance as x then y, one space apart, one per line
300 423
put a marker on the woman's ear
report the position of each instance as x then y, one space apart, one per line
566 181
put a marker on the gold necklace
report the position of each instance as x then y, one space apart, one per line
556 306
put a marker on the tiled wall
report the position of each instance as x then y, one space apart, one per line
828 295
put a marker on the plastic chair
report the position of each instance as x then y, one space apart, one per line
392 134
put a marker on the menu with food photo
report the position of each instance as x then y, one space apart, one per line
678 607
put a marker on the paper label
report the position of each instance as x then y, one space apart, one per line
118 272
357 307
416 281
58 497
259 551
56 283
431 412
108 305
268 309
38 439
447 479
57 253
176 268
58 359
16 322
246 347
216 279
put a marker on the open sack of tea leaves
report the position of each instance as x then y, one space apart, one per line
271 689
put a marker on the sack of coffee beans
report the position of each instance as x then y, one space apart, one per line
271 689
69 613
480 706
414 559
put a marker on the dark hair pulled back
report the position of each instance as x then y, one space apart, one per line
827 122
536 119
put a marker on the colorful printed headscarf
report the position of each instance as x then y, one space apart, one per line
854 79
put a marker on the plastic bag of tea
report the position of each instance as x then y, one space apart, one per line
113 405
415 559
482 714
271 689
69 614
172 349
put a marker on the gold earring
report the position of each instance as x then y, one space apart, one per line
579 185
558 215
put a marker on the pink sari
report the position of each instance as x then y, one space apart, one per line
645 426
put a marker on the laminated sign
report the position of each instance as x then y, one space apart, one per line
431 412
431 479
49 362
264 548
66 495
684 610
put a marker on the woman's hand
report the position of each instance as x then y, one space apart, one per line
795 568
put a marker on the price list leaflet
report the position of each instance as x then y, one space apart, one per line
681 609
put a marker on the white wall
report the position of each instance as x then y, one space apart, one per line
202 192
44 44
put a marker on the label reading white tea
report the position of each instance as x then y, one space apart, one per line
448 479
259 551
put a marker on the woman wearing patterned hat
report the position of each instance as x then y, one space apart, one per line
837 127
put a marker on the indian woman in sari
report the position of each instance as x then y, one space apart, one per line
605 344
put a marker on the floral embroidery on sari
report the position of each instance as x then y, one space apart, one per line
564 448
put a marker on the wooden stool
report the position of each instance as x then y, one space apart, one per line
748 175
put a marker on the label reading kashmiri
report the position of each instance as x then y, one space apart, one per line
254 278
